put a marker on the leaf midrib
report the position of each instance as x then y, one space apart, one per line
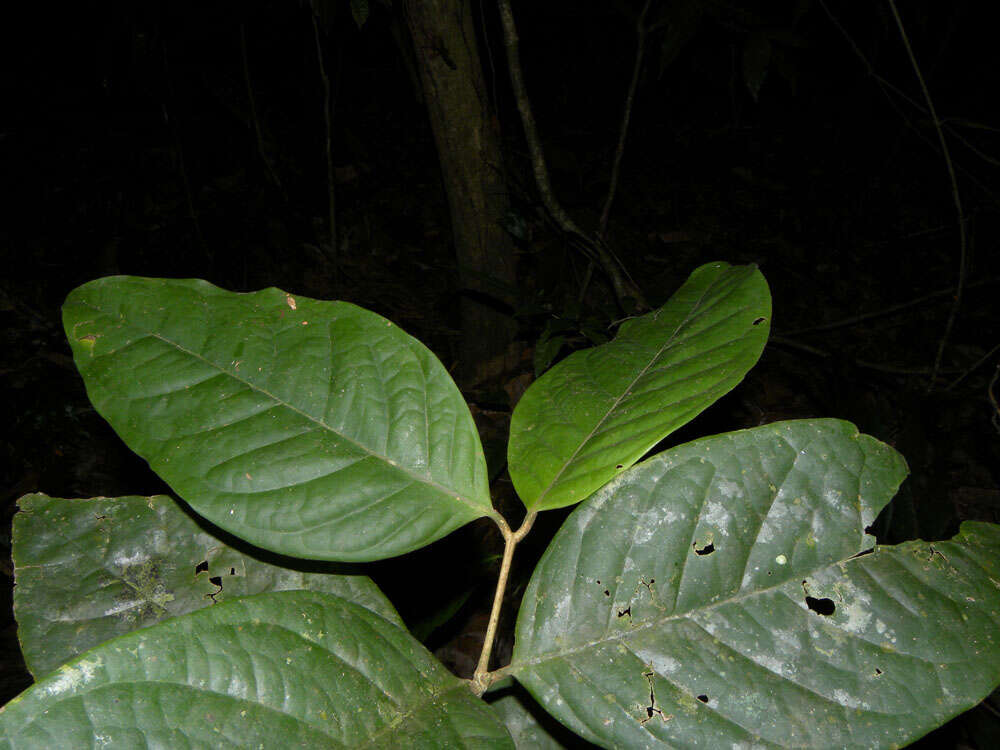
656 622
480 510
621 396
452 494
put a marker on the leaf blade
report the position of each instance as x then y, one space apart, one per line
275 670
315 429
89 570
733 605
598 411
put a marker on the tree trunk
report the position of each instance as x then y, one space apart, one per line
467 137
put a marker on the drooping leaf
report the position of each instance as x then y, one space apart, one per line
90 570
756 60
717 595
599 410
359 11
279 670
546 349
314 429
529 726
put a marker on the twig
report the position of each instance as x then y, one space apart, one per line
956 197
595 248
482 677
993 399
843 323
272 175
974 367
640 51
175 133
888 86
823 354
331 188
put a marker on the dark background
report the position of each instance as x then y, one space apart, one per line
127 146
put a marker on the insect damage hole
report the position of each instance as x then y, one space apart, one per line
201 567
758 321
821 606
215 581
652 709
708 549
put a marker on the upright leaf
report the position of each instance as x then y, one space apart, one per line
280 670
315 429
718 595
90 570
598 411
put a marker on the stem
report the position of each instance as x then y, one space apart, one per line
956 198
482 677
640 30
179 150
594 247
261 151
331 189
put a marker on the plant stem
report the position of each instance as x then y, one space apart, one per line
482 677
592 246
261 151
640 31
955 195
331 189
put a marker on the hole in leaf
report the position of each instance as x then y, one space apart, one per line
758 321
216 581
708 549
232 571
201 567
703 698
623 612
607 593
618 466
823 606
652 709
877 671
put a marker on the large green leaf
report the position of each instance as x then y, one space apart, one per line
279 670
598 411
529 725
525 729
717 596
315 429
90 570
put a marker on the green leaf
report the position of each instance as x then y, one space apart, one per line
756 60
546 349
314 429
278 670
359 11
90 570
598 411
529 725
717 596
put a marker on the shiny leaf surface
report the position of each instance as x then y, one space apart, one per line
87 571
599 410
720 595
314 429
279 670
